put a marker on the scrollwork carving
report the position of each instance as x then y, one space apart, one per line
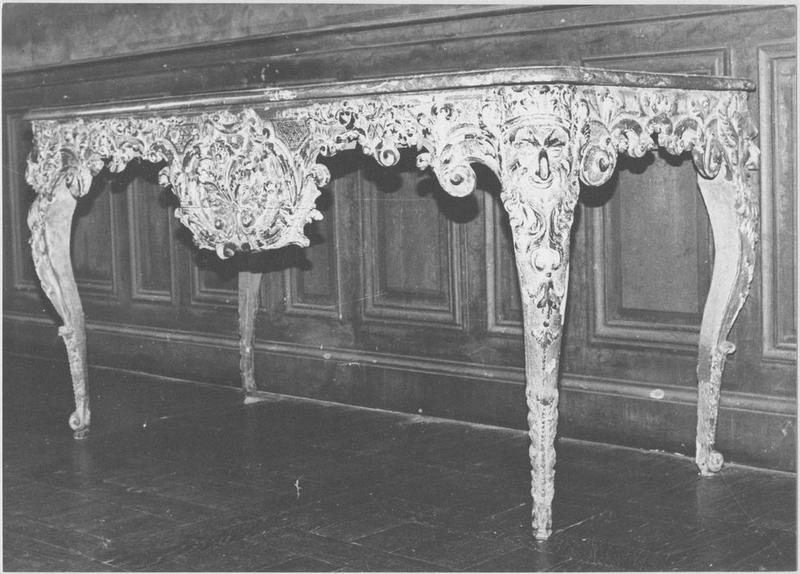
539 193
456 135
61 152
380 127
730 144
250 183
240 187
714 126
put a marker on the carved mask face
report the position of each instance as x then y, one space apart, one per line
542 149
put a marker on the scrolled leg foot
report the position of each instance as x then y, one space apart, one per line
733 212
79 423
709 462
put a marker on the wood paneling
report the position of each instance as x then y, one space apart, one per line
152 241
18 196
651 261
94 240
650 242
674 62
31 35
503 303
412 253
778 128
214 281
408 299
312 287
474 41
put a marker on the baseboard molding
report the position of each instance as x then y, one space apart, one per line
629 413
510 375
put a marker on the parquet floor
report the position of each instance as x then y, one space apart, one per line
183 477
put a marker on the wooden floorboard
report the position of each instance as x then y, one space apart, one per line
184 477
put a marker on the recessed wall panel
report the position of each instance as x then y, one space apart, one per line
152 241
412 252
649 240
312 285
778 102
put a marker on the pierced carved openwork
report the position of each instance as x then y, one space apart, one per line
245 171
247 183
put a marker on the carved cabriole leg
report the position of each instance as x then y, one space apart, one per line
50 222
734 253
249 284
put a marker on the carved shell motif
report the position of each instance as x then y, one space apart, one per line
240 188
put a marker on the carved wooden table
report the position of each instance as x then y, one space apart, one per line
243 165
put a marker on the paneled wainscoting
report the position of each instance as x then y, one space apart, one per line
408 299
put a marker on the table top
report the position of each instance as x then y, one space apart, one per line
439 82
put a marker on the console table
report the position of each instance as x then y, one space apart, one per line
244 167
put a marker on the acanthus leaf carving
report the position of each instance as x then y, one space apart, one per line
61 151
249 183
538 175
240 187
